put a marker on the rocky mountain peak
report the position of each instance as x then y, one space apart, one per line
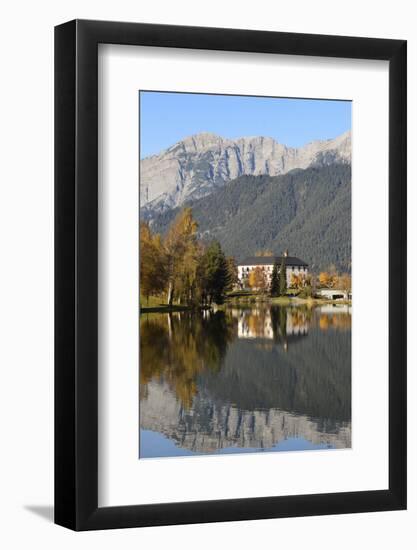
199 164
198 143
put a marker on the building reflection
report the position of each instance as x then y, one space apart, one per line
277 324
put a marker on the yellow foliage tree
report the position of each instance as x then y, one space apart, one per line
258 279
295 281
344 282
153 275
182 251
325 279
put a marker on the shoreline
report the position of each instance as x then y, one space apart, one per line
246 301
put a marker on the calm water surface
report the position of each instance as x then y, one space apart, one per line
245 379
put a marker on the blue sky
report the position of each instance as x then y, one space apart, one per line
166 118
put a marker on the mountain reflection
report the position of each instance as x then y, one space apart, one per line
246 377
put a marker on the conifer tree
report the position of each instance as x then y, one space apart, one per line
283 277
214 275
274 289
233 278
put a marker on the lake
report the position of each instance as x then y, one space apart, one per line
261 378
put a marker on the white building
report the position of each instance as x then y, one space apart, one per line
294 266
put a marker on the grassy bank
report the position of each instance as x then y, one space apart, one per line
241 298
248 298
158 304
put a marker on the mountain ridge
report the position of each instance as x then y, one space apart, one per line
202 163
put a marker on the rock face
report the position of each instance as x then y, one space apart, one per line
197 165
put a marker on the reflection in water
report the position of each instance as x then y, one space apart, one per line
245 379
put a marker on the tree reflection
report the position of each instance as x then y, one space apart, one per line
177 347
336 321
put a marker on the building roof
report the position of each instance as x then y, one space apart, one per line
270 260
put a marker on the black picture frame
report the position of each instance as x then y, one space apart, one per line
76 272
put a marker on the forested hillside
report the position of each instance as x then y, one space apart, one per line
306 211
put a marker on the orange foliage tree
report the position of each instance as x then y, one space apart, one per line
153 274
258 279
326 279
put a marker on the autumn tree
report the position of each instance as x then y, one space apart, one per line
274 289
252 279
153 273
331 276
182 251
303 280
258 279
263 282
325 279
295 281
344 282
187 284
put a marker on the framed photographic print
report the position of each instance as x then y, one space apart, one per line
230 275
